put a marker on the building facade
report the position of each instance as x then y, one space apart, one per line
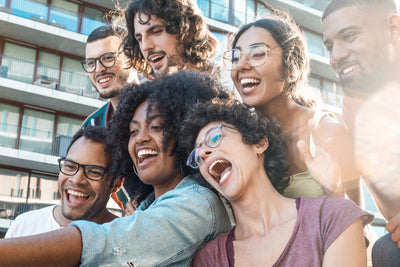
45 94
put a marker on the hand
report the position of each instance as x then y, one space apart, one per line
131 207
323 166
393 226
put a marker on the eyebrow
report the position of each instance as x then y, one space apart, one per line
205 135
238 47
148 119
151 28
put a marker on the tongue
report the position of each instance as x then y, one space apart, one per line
75 200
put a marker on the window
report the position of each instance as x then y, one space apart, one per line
13 184
220 10
204 6
262 10
37 131
73 77
66 128
314 43
223 43
250 11
9 117
2 3
240 12
30 8
93 18
43 188
20 61
64 13
48 67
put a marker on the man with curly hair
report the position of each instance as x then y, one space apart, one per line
164 36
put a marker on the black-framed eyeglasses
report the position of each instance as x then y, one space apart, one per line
212 139
255 56
107 59
92 172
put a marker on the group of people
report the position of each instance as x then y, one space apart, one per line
180 144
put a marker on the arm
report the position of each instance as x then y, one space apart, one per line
348 249
393 226
57 248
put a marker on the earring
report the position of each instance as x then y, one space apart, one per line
134 169
180 166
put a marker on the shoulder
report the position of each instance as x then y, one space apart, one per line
212 253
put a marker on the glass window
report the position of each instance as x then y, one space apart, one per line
9 116
240 12
93 18
220 10
250 11
65 14
314 43
314 82
223 43
20 62
48 68
13 185
30 8
37 131
66 128
204 6
262 10
43 189
73 78
2 3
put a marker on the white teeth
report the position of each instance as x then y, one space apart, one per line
247 81
76 193
224 176
143 153
155 58
348 69
103 80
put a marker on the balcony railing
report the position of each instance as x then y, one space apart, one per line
71 81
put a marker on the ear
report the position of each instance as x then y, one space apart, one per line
262 146
117 184
394 22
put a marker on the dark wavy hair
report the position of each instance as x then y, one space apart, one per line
184 19
105 31
97 134
253 127
295 58
172 96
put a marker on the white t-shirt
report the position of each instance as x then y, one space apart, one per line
33 222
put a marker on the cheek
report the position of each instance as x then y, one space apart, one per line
131 149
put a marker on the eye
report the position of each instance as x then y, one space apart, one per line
213 139
108 58
258 55
156 128
95 172
349 36
69 166
90 62
133 132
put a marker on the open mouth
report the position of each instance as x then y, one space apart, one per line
154 59
249 83
146 154
220 169
104 79
346 69
76 197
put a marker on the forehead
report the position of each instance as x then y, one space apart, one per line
99 47
255 35
349 17
85 151
141 27
140 114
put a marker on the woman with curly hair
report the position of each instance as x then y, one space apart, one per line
242 155
269 64
177 215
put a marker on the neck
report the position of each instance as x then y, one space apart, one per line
171 183
100 218
114 105
260 208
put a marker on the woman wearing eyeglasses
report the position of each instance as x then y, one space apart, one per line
177 213
269 65
242 155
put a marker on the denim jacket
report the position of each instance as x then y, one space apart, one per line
166 231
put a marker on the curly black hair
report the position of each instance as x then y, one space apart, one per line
253 127
183 18
172 96
97 134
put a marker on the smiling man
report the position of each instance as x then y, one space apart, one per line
165 36
363 41
85 185
108 70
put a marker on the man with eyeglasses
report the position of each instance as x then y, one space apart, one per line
85 185
107 67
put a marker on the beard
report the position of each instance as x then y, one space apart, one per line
121 81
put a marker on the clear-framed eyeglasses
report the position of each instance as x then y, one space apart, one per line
255 56
92 172
107 59
212 139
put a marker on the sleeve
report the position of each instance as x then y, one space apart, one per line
336 215
213 253
169 232
14 229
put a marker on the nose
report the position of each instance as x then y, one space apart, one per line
243 64
142 137
337 54
147 44
99 66
78 177
204 152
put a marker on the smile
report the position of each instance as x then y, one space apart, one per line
220 170
249 83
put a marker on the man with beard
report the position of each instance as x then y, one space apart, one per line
165 36
363 40
85 185
107 69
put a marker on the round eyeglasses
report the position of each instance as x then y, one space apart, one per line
213 138
92 172
107 60
255 56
